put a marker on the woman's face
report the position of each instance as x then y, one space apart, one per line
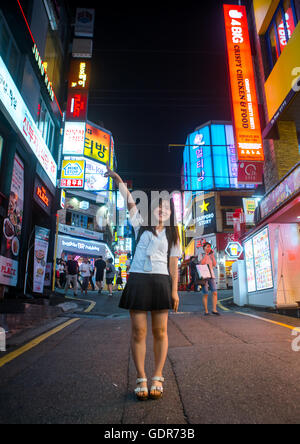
163 212
207 249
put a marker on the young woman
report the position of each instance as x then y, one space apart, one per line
210 260
151 285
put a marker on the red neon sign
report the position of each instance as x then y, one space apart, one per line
243 89
77 105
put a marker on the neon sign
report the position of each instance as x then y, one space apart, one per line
42 194
43 71
79 77
243 89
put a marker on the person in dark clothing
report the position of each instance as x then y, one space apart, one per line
100 266
72 275
91 276
194 274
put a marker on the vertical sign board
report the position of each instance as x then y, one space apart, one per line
12 227
40 258
243 89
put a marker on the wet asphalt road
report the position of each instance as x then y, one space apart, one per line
230 369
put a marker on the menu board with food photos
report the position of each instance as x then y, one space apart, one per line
40 258
262 256
12 227
249 258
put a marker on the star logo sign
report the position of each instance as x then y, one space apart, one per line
204 206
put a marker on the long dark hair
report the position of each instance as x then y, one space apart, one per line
172 231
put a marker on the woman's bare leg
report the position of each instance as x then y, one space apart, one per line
138 342
160 341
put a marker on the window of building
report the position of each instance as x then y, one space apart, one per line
9 50
281 29
45 124
79 220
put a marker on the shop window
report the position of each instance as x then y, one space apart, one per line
281 29
53 60
9 50
45 124
79 220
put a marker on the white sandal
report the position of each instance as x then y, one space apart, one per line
157 388
141 390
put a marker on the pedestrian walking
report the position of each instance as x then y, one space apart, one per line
119 279
63 273
210 284
110 275
85 272
92 271
100 266
151 285
128 263
194 274
72 275
57 273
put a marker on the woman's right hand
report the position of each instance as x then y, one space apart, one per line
110 172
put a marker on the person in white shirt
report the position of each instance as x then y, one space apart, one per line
85 273
152 284
210 260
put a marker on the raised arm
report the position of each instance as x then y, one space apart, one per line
122 188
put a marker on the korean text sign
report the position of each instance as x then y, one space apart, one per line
72 174
243 89
97 144
18 113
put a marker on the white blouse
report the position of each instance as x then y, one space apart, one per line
151 255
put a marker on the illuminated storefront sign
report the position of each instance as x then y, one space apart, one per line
177 199
77 106
210 159
63 199
43 71
250 172
206 215
234 250
79 77
72 174
243 89
74 138
20 117
94 176
97 144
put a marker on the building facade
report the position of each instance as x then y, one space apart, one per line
272 248
34 38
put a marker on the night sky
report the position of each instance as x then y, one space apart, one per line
159 71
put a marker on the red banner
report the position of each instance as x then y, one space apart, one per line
250 173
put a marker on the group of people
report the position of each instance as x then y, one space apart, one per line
68 273
208 258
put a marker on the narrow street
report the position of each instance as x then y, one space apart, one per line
229 369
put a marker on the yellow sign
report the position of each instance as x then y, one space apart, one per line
97 144
72 174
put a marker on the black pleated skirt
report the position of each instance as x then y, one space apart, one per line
147 292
